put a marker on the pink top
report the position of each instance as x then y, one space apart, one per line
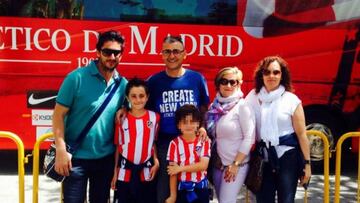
235 132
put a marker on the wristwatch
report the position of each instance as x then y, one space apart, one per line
237 163
307 162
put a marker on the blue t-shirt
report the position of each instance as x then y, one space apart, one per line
83 91
168 93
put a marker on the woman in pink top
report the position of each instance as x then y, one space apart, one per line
231 124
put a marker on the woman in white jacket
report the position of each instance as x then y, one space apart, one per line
231 123
280 127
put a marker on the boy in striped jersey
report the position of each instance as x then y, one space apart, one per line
188 158
136 161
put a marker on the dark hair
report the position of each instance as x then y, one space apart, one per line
172 39
110 35
185 110
136 82
264 64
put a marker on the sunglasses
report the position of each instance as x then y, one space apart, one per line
225 82
176 52
268 72
108 52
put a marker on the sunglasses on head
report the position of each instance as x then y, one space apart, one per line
108 52
167 52
232 83
268 72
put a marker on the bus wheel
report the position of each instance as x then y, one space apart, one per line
317 145
331 123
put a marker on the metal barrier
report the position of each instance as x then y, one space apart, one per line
326 163
36 153
21 161
338 165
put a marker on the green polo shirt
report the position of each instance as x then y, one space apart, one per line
83 91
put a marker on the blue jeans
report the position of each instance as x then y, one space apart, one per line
98 172
284 182
144 193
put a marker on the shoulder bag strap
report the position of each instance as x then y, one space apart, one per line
95 116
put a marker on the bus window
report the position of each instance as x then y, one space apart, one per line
207 12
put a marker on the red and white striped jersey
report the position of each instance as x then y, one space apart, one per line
187 153
135 139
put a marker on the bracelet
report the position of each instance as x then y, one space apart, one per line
307 162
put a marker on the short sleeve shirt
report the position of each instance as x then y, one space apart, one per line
288 102
135 139
83 91
186 153
167 94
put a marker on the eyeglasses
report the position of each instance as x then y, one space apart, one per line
225 82
268 72
176 52
108 52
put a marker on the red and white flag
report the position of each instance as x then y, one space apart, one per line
277 17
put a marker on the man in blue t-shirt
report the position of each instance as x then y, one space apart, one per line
81 94
170 89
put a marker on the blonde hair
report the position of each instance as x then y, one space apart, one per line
228 70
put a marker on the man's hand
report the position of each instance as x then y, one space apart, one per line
63 162
202 134
120 115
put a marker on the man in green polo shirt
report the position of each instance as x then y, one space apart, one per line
80 95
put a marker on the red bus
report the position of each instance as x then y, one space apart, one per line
41 41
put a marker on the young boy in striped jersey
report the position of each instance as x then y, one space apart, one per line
188 158
136 162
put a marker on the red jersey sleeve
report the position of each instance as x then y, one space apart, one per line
172 153
206 149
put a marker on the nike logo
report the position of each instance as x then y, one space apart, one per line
35 101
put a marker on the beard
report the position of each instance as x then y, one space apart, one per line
110 69
109 65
